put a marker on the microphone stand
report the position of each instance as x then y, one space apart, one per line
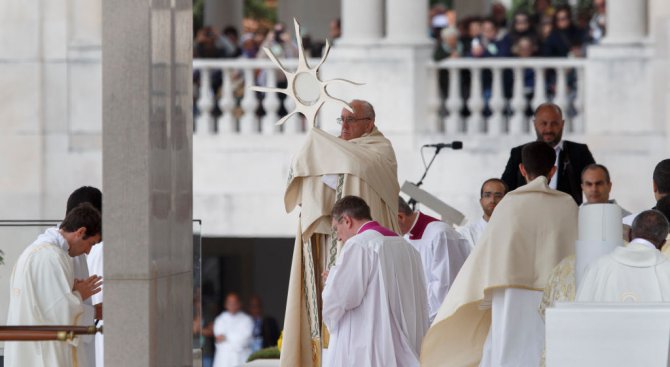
412 203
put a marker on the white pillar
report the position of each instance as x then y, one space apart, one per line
626 21
407 21
362 22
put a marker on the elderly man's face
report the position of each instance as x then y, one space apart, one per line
549 125
355 124
595 186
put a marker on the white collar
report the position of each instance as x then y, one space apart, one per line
363 225
559 146
643 242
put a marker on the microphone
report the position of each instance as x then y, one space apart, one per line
455 145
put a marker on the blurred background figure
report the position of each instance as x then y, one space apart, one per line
233 331
266 330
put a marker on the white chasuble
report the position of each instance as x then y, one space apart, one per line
374 302
41 294
635 273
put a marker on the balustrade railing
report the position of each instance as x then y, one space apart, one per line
224 104
491 96
497 96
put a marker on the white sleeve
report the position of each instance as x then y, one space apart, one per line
346 284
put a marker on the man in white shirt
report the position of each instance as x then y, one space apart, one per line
635 273
233 333
443 251
44 290
493 190
374 299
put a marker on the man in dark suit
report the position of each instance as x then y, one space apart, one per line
572 157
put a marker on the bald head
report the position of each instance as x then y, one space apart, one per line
233 303
358 123
548 122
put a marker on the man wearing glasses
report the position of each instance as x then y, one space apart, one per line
359 162
492 191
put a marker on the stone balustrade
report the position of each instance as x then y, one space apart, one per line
492 96
496 96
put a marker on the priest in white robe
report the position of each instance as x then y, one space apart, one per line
489 317
492 191
443 251
44 291
360 162
635 273
374 299
87 354
233 334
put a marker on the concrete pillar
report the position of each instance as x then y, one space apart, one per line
222 13
147 180
362 22
314 16
626 21
407 21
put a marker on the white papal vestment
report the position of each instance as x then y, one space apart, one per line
374 302
95 261
41 294
635 273
238 330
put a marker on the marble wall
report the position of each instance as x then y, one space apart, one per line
147 159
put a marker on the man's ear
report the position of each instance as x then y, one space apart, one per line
81 232
522 169
655 186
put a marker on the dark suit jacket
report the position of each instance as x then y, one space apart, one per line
571 161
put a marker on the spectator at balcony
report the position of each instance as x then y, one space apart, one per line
438 20
564 36
249 47
486 44
499 17
230 40
541 9
470 29
335 29
545 28
448 47
598 23
571 158
206 45
521 27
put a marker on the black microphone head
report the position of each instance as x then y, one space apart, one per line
457 145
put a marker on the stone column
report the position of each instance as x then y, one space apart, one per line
407 21
619 74
147 181
362 22
626 21
222 13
